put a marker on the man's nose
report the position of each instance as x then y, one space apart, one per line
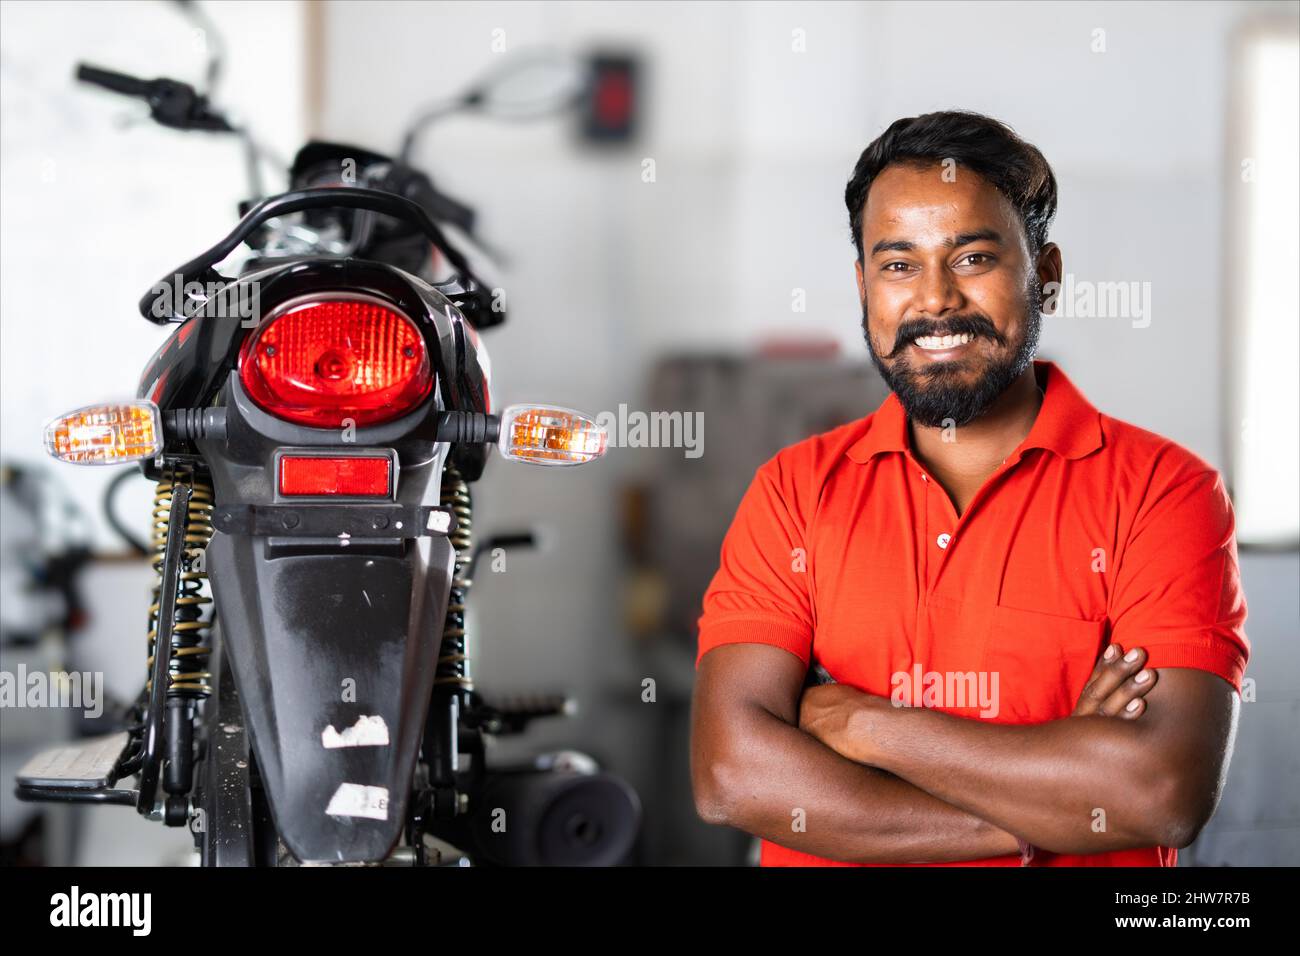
937 294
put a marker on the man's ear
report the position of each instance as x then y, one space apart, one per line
862 286
1049 270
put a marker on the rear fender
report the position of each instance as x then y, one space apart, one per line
334 657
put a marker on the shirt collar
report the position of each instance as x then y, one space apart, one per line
1067 423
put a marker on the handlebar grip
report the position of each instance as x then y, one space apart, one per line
109 80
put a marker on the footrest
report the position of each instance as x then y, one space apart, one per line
87 765
512 714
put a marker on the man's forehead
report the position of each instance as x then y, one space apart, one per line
935 199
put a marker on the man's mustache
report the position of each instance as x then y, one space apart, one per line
972 323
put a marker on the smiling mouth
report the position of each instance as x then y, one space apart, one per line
942 343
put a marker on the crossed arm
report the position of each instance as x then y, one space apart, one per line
845 775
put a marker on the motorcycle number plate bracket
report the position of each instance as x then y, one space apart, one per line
353 520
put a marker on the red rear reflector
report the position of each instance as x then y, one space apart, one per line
330 361
335 476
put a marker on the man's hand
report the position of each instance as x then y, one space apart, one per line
840 716
1117 685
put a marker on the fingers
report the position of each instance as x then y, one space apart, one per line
1127 700
1098 668
1114 684
1109 672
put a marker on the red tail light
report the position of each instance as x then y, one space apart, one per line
323 362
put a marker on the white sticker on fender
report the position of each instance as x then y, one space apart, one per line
358 800
366 732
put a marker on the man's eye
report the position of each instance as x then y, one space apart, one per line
895 267
976 259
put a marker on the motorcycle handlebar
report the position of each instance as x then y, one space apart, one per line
110 80
172 103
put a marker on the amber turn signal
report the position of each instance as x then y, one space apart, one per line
106 434
548 435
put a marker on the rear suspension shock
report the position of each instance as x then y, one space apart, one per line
188 677
452 686
169 758
453 662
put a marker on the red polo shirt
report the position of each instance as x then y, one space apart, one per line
845 550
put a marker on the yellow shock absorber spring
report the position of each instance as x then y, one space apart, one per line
188 675
452 658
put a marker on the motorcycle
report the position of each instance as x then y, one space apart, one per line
314 423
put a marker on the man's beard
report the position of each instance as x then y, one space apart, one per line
935 397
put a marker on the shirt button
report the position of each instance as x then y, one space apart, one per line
942 540
923 477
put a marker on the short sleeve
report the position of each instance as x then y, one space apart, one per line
1177 592
761 591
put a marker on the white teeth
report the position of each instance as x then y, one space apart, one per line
943 341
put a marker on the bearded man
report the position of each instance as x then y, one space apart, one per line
1027 615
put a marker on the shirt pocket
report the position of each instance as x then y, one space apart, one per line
1042 661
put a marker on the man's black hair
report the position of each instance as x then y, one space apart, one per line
974 142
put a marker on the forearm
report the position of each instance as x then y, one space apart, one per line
1078 785
776 782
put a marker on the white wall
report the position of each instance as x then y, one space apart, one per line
94 208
